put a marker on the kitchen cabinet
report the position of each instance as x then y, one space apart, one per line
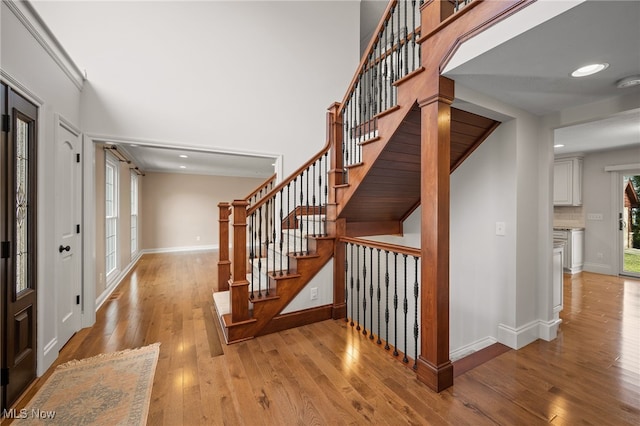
567 182
558 255
573 238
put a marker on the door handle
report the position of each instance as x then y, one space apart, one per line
63 248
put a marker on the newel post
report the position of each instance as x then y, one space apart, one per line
434 366
434 12
239 289
224 264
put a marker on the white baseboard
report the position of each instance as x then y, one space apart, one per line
548 330
471 348
599 268
520 337
50 354
181 249
115 282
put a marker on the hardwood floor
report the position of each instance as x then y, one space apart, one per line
326 373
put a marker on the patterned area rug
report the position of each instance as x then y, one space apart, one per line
108 389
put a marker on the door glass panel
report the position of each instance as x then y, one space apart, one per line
22 205
630 225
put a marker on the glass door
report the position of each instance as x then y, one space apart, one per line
629 225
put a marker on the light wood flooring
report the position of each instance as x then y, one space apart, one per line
328 374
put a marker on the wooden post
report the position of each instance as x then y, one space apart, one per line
433 13
339 310
239 289
334 133
224 264
434 366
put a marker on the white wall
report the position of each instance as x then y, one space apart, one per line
240 76
31 70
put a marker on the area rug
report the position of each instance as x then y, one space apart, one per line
108 389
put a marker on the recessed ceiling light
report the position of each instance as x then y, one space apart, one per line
133 145
633 80
183 167
589 69
183 156
559 145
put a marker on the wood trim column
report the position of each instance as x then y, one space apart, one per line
434 366
339 253
334 133
224 264
239 289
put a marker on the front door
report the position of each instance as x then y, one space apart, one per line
68 211
18 265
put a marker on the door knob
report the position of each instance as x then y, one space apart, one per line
63 248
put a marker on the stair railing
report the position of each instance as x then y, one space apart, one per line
262 190
393 53
279 223
382 294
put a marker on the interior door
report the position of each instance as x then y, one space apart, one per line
68 212
18 254
629 224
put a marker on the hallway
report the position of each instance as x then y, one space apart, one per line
326 373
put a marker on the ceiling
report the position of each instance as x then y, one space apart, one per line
531 71
175 160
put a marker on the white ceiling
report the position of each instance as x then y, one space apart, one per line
530 71
174 160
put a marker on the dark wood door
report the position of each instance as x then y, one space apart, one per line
18 236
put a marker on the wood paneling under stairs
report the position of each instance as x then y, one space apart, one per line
390 189
327 373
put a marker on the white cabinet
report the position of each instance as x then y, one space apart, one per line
567 182
573 259
558 254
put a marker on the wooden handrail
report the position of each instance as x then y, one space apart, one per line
409 251
368 51
262 186
290 178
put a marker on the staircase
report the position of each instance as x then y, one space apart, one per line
392 143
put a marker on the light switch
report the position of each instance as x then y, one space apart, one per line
501 229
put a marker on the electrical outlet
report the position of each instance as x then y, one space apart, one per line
198 238
594 216
501 229
314 293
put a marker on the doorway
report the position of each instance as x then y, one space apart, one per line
18 236
629 224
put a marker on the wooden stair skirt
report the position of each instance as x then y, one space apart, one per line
265 311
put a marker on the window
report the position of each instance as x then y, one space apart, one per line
111 214
134 213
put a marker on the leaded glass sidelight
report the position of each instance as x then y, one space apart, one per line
22 205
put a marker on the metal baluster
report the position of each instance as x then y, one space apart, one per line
413 36
267 209
302 228
307 216
406 39
391 54
345 134
294 214
281 229
371 290
314 199
386 309
415 318
405 307
364 289
288 228
395 304
346 278
378 294
260 251
326 193
386 67
418 37
380 71
351 249
251 248
357 287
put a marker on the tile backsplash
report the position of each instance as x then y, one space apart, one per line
568 216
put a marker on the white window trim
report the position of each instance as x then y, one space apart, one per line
135 230
112 162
